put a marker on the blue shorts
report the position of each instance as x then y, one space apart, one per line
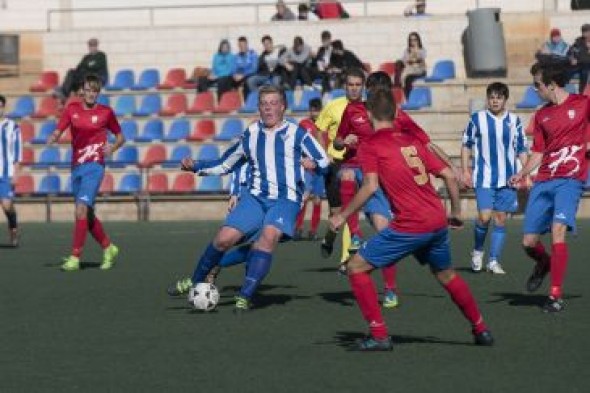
552 201
314 184
377 203
86 180
497 199
252 213
389 247
6 190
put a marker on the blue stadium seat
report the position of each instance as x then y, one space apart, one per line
124 79
127 155
571 88
251 104
50 184
148 79
307 96
208 152
150 105
68 186
125 105
180 129
129 129
443 70
420 97
337 93
178 153
210 184
24 106
531 99
49 156
103 100
46 129
290 98
152 130
231 128
130 183
66 160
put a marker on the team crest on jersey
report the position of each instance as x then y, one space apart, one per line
94 119
571 114
75 116
284 136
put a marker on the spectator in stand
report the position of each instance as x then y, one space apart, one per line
321 61
297 63
330 9
580 56
304 13
270 67
413 63
246 64
554 50
94 62
283 12
341 60
417 9
222 70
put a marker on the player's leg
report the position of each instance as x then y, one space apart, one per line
11 218
316 214
300 220
332 183
505 201
348 187
485 202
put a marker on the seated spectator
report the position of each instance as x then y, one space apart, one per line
321 60
554 50
340 61
304 13
246 64
297 63
413 63
580 56
95 62
330 9
283 12
417 9
222 69
270 68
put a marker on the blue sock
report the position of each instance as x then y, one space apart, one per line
208 261
258 265
480 233
498 238
235 256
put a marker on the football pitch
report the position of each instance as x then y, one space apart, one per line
118 331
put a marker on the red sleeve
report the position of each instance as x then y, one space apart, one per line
407 124
65 119
538 136
344 126
432 163
113 124
367 156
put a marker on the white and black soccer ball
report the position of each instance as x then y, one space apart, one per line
204 296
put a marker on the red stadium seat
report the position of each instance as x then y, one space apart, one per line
47 81
398 94
329 10
197 73
24 184
231 101
388 67
176 104
204 129
155 155
204 102
108 184
27 131
175 78
28 155
49 107
184 182
157 183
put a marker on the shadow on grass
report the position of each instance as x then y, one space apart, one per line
326 269
523 299
349 340
346 298
83 265
10 246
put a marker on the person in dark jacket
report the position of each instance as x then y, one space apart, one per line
579 55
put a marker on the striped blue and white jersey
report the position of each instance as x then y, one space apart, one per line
11 147
240 176
496 143
274 158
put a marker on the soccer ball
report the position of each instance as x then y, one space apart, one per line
204 296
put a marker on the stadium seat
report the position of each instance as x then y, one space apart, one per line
229 102
184 182
210 184
24 185
148 79
50 184
24 106
127 155
231 128
150 105
104 100
337 93
125 106
571 88
204 129
47 81
66 161
204 102
67 186
420 97
180 129
388 67
152 130
108 184
191 84
124 79
307 96
175 105
178 153
155 155
251 104
175 78
49 107
399 95
48 156
130 183
290 94
531 99
28 156
157 183
208 152
46 129
27 131
129 129
443 70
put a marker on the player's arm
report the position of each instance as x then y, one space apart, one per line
344 137
466 153
535 158
452 184
313 150
18 152
440 153
115 128
63 124
370 185
221 166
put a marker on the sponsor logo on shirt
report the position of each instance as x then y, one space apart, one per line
75 116
280 220
561 216
84 198
359 120
571 114
546 118
94 119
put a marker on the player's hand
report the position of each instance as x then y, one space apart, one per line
515 180
108 150
308 163
528 182
53 138
455 222
336 221
351 140
233 201
467 178
187 164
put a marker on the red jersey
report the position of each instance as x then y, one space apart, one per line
355 121
561 133
403 164
89 131
309 126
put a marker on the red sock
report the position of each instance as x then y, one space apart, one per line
316 214
98 233
462 297
347 191
558 266
538 253
389 277
301 216
366 296
80 231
